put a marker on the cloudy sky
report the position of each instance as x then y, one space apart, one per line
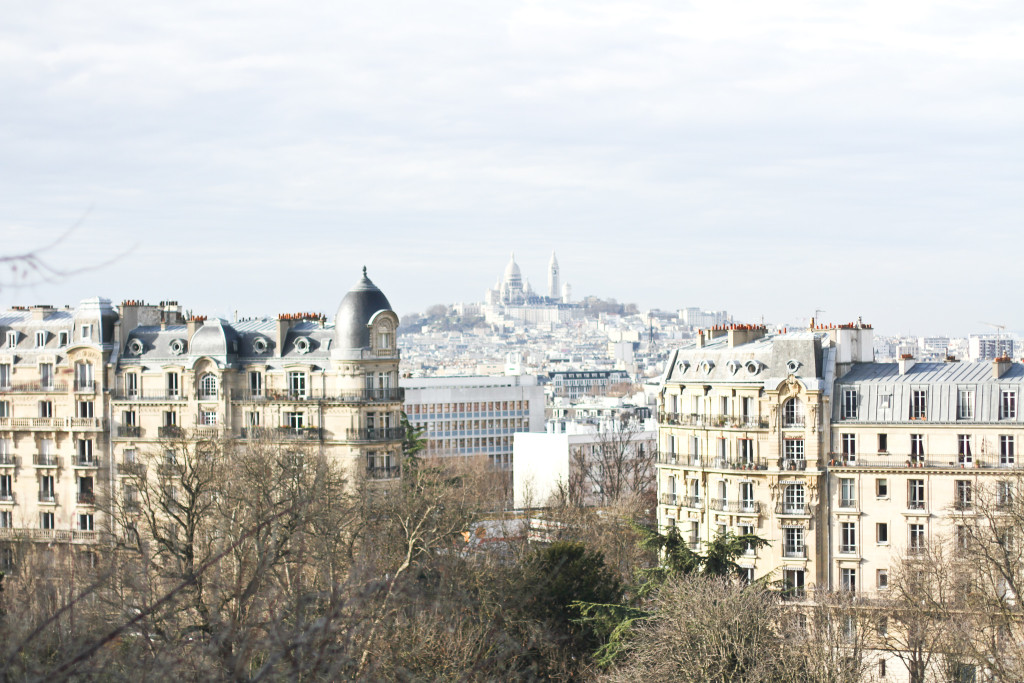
769 158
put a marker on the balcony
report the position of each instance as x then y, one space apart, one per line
945 462
794 552
668 458
712 421
392 472
8 460
792 464
135 469
847 549
47 498
60 535
383 434
741 464
35 387
170 432
86 461
916 549
692 502
122 395
298 433
45 460
86 498
50 423
916 505
129 431
669 499
8 498
793 509
963 505
791 422
358 396
85 386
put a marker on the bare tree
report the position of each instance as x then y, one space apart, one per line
618 464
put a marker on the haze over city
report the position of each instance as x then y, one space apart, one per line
769 159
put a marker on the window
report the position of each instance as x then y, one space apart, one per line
748 547
294 420
173 384
208 386
881 488
848 579
793 413
384 340
46 489
1006 450
918 404
882 579
847 537
62 339
965 404
46 409
85 409
882 533
297 384
964 498
1007 404
917 449
793 542
83 376
5 409
170 418
849 406
40 339
208 417
131 384
86 331
253 418
962 539
46 520
849 446
915 494
746 496
747 575
85 522
847 495
255 383
793 498
12 339
915 545
6 490
794 581
1004 494
746 451
793 453
6 519
5 375
883 443
46 375
84 448
963 445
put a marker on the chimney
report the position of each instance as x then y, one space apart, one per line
742 334
193 325
906 362
1000 366
700 339
41 312
284 323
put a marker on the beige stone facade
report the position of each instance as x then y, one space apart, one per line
86 394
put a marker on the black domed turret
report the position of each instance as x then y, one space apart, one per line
355 311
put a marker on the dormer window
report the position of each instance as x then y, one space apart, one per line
62 339
12 339
384 339
40 339
86 331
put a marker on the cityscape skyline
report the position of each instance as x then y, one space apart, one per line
852 158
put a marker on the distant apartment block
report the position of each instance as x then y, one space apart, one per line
475 416
988 347
575 384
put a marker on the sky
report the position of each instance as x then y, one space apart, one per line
767 158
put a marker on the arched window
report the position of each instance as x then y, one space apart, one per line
793 413
208 385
